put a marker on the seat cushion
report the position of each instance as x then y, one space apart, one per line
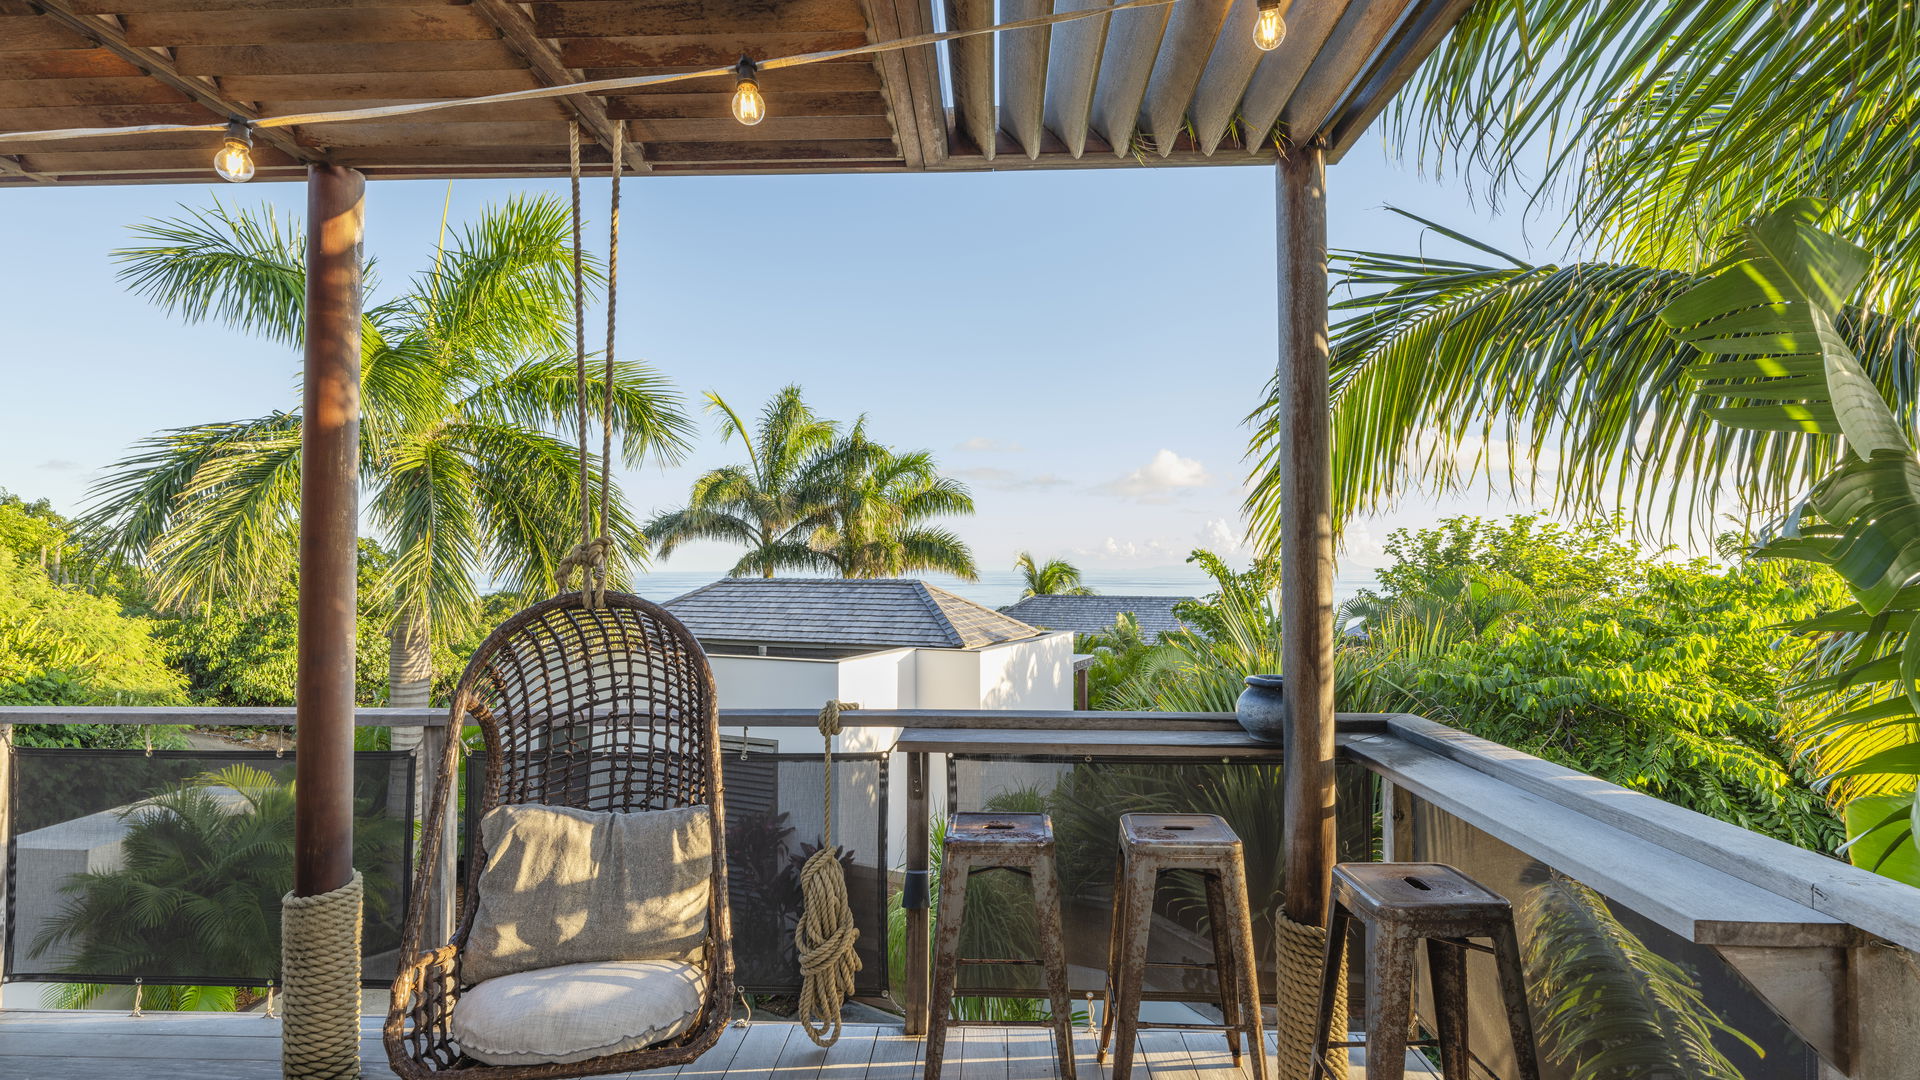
577 1011
565 886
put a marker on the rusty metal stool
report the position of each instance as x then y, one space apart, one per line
1151 844
1401 904
1021 843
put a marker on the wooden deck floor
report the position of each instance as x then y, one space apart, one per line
37 1045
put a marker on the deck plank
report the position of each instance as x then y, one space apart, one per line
984 1054
1029 1055
895 1056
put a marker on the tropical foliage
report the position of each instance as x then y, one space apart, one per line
1766 327
1055 577
468 395
814 498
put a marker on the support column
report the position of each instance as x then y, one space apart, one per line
320 919
329 532
1306 531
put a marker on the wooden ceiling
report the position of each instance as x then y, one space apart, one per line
1180 84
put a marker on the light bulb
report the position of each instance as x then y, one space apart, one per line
234 162
1269 30
749 106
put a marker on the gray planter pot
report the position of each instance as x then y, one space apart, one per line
1262 708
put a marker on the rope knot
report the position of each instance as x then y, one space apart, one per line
589 558
830 716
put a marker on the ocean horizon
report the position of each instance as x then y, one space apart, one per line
1001 588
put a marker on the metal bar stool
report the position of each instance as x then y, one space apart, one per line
1021 843
1151 844
1401 904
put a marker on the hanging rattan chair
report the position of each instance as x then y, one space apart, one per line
608 708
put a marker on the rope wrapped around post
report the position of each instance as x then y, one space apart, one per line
1300 951
826 936
320 977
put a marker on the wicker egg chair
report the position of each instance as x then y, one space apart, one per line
609 708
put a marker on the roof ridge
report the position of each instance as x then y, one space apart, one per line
939 612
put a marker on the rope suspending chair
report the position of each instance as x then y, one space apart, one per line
596 707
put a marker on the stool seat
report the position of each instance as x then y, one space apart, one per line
1191 830
972 830
1421 895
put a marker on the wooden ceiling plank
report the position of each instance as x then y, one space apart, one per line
1217 99
1365 25
1413 41
599 18
162 70
328 25
860 76
924 88
840 150
325 59
1023 74
204 7
71 64
10 166
379 85
775 128
1308 27
541 56
699 50
717 106
74 93
21 33
498 112
66 116
1073 65
432 134
1192 33
1133 45
971 62
883 24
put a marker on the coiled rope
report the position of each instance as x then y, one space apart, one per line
320 970
1300 955
589 557
826 936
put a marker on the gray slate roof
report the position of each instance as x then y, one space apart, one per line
880 613
1096 614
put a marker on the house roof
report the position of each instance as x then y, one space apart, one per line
1180 83
1096 614
883 613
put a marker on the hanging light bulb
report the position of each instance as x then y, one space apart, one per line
235 160
749 106
1269 29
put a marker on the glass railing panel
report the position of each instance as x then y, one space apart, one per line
170 867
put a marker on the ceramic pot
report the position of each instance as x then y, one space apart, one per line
1262 708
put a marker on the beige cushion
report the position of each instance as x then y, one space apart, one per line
579 1011
564 886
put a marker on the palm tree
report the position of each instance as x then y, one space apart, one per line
467 385
873 504
1055 577
1668 125
765 504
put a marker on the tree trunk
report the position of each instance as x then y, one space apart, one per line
409 671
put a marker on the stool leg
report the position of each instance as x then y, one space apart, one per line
1337 924
1389 1000
1245 964
1142 876
1513 994
946 946
1116 924
1447 969
1217 918
1053 954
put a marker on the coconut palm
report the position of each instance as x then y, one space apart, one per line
468 397
873 505
1055 577
1666 125
765 504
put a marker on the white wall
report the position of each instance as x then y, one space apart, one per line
1032 674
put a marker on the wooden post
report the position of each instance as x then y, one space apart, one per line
1306 531
914 902
329 531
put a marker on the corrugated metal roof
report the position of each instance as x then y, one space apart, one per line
881 613
1096 614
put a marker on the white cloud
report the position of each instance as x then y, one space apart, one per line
980 444
1155 551
1222 537
1159 478
1008 480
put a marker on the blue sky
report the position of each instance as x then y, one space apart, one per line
1080 347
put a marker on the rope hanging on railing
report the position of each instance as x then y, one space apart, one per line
595 86
826 936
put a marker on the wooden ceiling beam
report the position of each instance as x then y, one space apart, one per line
161 69
10 166
516 26
1412 42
